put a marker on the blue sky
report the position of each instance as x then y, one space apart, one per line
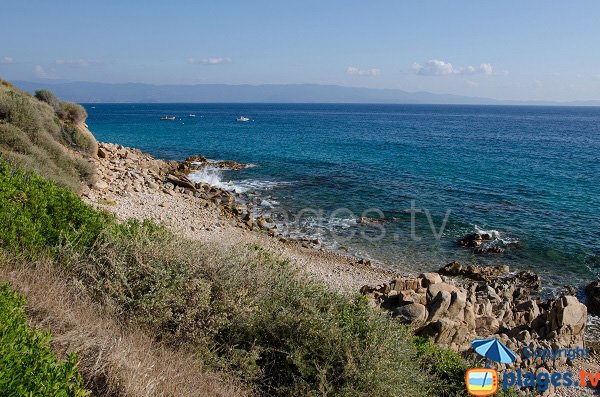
500 49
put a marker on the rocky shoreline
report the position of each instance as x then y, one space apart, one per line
132 184
453 306
459 304
125 171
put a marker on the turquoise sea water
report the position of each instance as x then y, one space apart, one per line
531 174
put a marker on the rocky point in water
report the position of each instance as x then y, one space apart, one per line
480 242
196 163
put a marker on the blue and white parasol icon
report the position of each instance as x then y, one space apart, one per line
494 350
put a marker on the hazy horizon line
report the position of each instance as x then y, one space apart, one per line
501 102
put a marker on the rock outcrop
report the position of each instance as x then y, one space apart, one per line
474 240
196 163
481 302
122 170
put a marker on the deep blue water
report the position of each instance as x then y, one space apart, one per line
530 173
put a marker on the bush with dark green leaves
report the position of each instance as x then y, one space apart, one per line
38 216
28 366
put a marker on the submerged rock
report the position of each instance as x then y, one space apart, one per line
474 240
486 242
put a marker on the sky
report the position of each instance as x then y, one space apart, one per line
521 50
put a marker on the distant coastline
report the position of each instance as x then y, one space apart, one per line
90 92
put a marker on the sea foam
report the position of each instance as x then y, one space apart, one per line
214 177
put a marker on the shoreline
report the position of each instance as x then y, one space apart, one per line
130 184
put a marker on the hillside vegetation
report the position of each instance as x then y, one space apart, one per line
46 135
27 364
190 319
243 313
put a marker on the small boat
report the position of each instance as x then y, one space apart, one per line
168 118
191 115
243 119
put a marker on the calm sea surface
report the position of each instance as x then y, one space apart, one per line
529 175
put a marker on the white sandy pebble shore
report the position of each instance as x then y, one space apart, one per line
130 185
125 187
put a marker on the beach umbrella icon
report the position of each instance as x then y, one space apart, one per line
494 350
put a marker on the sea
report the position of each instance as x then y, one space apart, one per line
399 184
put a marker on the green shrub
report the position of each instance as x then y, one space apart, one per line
71 112
49 98
243 312
28 366
36 215
247 313
73 137
22 111
448 366
311 341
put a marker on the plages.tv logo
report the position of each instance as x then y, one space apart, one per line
484 381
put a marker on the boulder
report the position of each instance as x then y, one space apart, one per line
479 273
452 269
469 316
412 313
434 289
261 222
442 331
430 279
404 284
491 293
531 309
439 305
528 280
181 182
410 296
570 313
229 165
486 325
101 185
457 305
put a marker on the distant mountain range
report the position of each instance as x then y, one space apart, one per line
87 92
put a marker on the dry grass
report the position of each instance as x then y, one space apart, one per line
113 361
